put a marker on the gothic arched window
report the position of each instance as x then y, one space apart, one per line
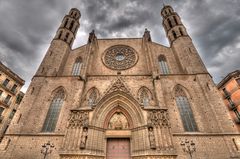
174 34
66 37
175 19
77 67
163 65
170 23
71 25
53 112
144 96
185 110
92 98
180 30
65 24
60 34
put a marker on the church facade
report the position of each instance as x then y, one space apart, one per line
122 98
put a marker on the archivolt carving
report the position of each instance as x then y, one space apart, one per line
118 122
78 119
158 118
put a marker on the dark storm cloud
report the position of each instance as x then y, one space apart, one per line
28 26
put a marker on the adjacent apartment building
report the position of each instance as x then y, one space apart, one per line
230 89
10 96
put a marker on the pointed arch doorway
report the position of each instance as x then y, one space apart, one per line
118 148
118 134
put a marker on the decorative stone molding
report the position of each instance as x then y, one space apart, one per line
81 157
158 118
120 57
118 85
78 119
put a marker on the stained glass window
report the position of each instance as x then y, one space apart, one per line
53 112
77 67
163 65
185 110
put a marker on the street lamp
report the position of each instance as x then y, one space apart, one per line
188 147
46 149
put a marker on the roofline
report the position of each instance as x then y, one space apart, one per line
228 77
117 38
10 73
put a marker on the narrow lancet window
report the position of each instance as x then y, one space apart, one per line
174 34
53 112
163 65
185 110
170 23
65 24
77 67
144 96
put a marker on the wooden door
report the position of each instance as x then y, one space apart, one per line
118 149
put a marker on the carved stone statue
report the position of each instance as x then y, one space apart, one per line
151 138
84 138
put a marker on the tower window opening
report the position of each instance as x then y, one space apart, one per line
166 12
66 37
170 23
71 40
71 25
169 10
75 15
75 30
174 34
181 32
175 19
60 34
65 24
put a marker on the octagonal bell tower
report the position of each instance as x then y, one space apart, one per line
55 58
181 43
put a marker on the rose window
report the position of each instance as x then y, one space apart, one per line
120 57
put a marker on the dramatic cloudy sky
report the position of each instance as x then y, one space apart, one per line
27 27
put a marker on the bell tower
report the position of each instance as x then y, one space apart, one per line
181 43
56 56
68 29
172 24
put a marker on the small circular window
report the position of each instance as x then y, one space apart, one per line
120 57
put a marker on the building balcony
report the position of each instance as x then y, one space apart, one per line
9 89
5 102
231 105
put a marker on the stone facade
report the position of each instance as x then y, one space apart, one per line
10 96
122 89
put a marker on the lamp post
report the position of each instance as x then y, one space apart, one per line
188 147
46 149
